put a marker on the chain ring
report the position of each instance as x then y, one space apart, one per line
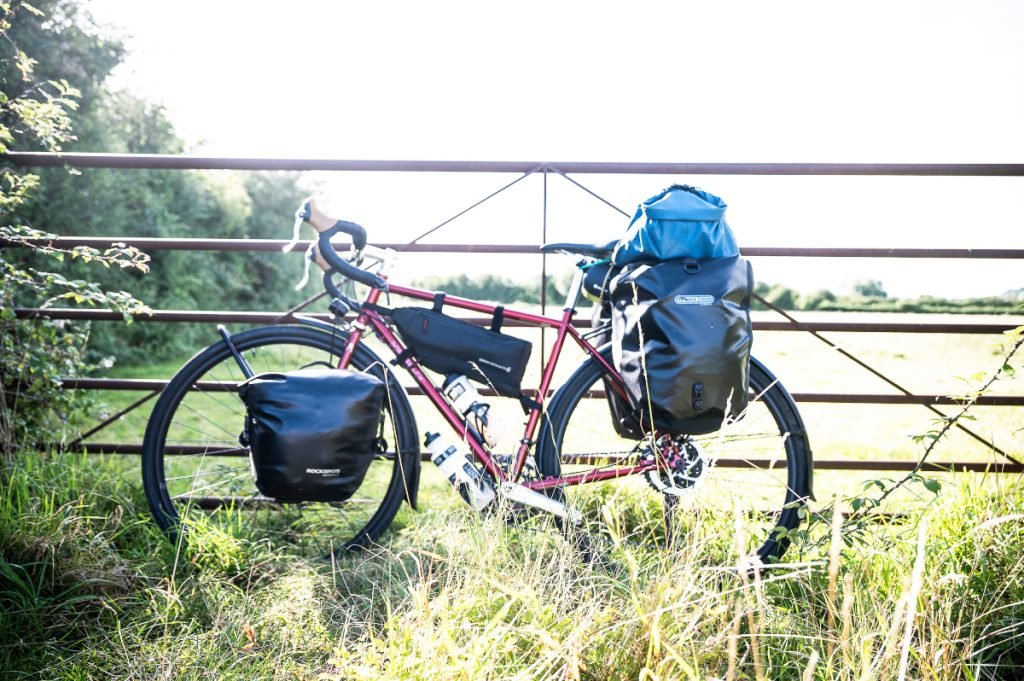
688 467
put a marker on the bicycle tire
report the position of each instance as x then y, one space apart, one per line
770 426
192 415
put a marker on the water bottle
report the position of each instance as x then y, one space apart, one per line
467 402
461 473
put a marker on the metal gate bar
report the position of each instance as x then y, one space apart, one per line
241 317
26 159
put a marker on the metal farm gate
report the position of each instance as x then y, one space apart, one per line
780 320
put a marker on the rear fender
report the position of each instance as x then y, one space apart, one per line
807 491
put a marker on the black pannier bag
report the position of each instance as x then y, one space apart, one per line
624 419
312 433
596 282
448 345
681 336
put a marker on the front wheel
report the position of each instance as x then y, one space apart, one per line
195 471
752 477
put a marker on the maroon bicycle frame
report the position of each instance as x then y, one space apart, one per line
368 319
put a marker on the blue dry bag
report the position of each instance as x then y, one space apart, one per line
680 222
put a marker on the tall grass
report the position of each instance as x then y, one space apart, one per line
89 589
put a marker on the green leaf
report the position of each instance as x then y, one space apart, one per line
1009 370
932 485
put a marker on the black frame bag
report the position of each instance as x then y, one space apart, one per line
681 336
312 433
448 345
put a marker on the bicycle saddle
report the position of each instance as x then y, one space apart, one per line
592 250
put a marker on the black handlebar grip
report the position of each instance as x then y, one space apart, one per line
357 232
344 268
331 287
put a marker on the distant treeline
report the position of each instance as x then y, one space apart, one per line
867 296
496 289
870 296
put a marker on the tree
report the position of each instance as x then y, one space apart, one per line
781 297
34 355
870 288
149 203
812 301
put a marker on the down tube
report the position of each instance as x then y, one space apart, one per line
425 384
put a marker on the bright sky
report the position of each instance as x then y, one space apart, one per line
812 81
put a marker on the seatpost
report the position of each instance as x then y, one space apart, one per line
573 296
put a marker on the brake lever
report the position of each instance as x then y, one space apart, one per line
300 217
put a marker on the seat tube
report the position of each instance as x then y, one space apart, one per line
542 391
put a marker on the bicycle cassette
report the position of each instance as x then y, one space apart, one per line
687 466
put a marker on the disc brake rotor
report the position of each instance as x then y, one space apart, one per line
687 466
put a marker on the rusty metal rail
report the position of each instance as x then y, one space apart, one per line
118 448
275 246
190 162
157 385
246 317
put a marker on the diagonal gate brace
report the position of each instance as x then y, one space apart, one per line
861 363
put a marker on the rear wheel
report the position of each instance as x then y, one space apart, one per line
751 477
195 471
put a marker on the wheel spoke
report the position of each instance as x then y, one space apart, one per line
753 464
202 416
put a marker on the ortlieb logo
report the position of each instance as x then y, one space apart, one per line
694 300
325 472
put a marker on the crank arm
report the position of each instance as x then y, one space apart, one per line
528 497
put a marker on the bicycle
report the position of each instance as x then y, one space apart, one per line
192 460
